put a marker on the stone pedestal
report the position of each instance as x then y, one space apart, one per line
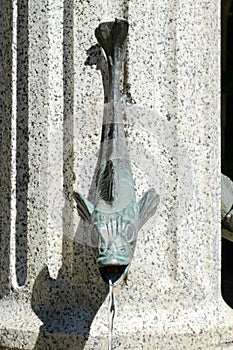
52 296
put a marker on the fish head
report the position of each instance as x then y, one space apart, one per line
116 244
116 240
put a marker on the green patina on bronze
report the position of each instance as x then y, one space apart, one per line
116 217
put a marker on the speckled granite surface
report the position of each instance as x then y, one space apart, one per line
52 296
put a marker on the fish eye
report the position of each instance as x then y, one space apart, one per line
129 232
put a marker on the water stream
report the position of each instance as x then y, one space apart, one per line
111 313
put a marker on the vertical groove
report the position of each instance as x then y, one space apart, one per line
6 108
22 170
68 91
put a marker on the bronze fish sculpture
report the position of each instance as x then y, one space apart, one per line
115 217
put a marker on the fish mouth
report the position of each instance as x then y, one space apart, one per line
113 273
104 260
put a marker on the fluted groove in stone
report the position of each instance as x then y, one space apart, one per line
7 148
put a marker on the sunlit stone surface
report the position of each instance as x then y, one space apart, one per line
52 295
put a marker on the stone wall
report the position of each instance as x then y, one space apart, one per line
51 102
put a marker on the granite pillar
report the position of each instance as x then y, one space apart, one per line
52 296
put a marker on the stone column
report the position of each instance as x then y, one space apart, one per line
52 296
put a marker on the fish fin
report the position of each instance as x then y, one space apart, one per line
84 207
104 36
147 206
111 35
105 182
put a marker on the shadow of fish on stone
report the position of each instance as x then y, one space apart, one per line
115 217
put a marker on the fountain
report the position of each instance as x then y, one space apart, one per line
52 294
115 217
